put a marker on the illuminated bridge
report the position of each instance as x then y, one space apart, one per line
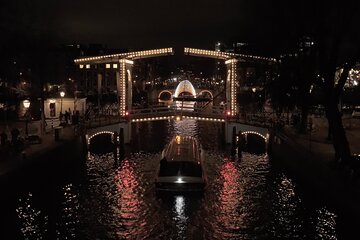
125 62
128 115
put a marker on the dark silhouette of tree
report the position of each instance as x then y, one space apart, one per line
296 75
282 88
333 27
337 46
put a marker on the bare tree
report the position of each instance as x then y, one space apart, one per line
337 46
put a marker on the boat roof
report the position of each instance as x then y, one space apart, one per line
183 148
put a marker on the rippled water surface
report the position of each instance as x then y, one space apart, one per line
104 199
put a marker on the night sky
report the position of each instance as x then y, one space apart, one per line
158 23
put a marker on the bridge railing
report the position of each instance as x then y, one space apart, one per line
149 110
265 119
213 109
254 119
161 111
101 120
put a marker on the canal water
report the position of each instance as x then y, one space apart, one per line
104 199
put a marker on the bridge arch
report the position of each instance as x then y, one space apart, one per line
185 86
206 91
255 133
255 142
99 133
164 92
246 129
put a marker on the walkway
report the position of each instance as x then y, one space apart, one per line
9 162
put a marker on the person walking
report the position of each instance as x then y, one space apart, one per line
14 135
3 138
66 117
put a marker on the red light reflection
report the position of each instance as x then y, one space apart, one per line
229 200
129 204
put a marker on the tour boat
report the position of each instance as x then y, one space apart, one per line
181 166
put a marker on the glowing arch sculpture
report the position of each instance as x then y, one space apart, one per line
185 86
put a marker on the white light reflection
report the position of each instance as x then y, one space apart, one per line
186 127
70 208
33 223
286 205
180 218
325 224
180 207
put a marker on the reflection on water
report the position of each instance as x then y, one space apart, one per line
130 210
69 212
185 127
294 220
285 208
325 224
180 218
229 201
33 224
244 199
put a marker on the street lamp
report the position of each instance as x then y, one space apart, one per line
62 94
253 99
26 104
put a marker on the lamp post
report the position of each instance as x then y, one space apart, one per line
62 94
26 104
253 98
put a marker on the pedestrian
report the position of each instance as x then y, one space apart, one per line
69 113
310 124
14 135
77 114
3 138
66 117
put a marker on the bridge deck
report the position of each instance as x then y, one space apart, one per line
215 114
152 114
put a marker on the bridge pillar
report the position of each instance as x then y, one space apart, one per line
124 85
122 143
230 127
116 145
126 126
99 87
87 141
240 144
85 146
233 141
231 86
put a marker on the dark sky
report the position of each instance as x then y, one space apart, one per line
140 24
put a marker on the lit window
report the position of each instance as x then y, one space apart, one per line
81 66
87 66
114 65
108 65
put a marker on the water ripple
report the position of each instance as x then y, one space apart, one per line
244 199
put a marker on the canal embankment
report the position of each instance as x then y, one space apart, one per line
53 150
310 159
